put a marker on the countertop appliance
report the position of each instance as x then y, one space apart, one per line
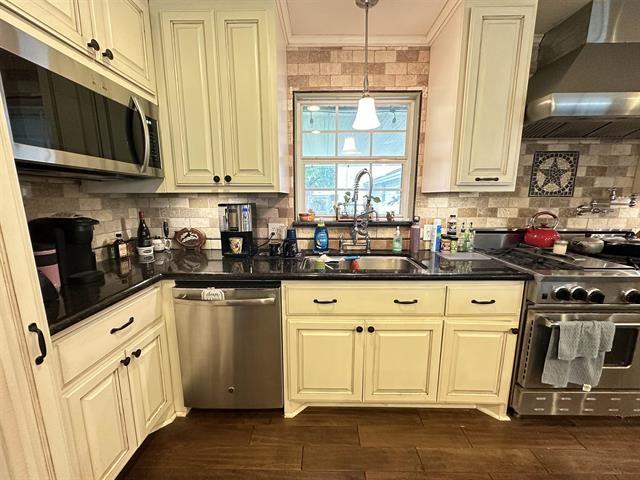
575 287
67 119
72 237
238 226
230 344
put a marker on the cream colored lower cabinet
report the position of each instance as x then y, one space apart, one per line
402 359
102 419
477 361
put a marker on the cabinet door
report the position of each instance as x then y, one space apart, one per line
124 29
495 82
149 378
402 361
248 96
325 360
190 74
102 419
477 361
60 17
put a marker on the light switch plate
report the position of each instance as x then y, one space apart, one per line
278 229
427 233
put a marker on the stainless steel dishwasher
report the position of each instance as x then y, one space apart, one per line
230 349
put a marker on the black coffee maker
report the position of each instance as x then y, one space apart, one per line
72 238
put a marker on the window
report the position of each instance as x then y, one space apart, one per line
329 153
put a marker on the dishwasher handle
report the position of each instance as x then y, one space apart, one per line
183 297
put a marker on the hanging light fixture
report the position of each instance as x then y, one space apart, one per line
366 117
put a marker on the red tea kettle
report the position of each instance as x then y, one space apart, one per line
542 236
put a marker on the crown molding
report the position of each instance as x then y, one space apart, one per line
447 11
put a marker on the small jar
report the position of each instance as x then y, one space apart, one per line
560 247
454 244
446 244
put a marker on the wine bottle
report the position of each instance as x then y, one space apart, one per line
144 235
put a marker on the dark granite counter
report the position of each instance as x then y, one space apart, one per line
78 302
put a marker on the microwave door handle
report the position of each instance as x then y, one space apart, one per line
145 130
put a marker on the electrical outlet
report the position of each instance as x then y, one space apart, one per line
278 230
427 233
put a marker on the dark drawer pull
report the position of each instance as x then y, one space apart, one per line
359 329
483 302
126 361
405 302
487 179
108 54
371 329
324 302
515 331
115 330
137 353
41 343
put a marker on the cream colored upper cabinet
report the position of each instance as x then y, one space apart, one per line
150 380
124 34
402 359
102 419
222 79
477 90
477 361
64 18
325 360
244 52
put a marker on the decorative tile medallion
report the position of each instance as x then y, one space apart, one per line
553 174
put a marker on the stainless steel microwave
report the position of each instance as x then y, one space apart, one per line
67 119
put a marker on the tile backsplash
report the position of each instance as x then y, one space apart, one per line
602 165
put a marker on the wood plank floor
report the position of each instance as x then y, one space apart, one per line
387 444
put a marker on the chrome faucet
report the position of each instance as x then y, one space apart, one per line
606 206
360 226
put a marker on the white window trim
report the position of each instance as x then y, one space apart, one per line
408 161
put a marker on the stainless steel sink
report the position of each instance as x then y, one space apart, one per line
367 263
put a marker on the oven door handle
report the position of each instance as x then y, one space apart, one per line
145 129
550 324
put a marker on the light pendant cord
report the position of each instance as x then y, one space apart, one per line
366 49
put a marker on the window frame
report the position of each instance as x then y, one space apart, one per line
409 161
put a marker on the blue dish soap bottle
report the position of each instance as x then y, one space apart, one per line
321 239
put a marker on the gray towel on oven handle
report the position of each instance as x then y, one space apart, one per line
598 338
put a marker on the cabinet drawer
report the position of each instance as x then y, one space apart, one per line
83 347
376 299
497 299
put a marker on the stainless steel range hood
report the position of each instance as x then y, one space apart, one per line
588 80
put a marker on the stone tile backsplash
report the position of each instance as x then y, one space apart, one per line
602 165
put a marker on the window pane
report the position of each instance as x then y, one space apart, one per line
320 201
315 117
346 116
347 173
320 176
388 144
389 202
318 144
353 144
387 176
392 117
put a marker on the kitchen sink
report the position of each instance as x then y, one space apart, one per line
369 263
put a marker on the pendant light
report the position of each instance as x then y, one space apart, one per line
366 117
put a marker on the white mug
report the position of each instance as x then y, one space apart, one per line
158 245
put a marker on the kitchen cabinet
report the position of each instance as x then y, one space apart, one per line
477 91
350 343
111 37
402 360
221 75
325 360
477 361
101 414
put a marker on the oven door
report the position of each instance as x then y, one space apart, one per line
621 365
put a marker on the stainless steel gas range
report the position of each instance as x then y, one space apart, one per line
567 289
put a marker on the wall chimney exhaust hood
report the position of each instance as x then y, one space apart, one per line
588 80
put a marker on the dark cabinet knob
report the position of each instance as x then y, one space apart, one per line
515 331
108 54
227 178
371 329
94 44
216 178
359 329
126 361
137 353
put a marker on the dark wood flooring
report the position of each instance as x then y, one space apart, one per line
387 444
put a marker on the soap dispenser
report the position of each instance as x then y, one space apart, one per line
397 241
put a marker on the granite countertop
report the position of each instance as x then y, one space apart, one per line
78 302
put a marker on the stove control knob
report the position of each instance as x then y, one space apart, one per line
579 293
562 293
595 296
631 296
